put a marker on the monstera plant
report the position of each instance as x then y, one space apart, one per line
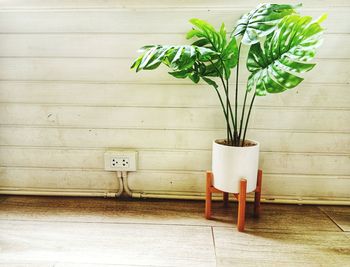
280 44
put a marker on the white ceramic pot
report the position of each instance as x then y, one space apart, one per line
230 164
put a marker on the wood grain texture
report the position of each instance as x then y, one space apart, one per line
118 20
282 218
67 94
163 95
119 45
57 264
168 4
278 186
183 160
340 216
28 264
172 118
38 231
107 243
294 249
36 138
118 70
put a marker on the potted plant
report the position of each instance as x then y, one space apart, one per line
280 45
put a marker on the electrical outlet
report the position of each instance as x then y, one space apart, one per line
120 160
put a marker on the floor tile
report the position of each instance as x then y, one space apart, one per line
276 217
106 243
339 214
26 264
279 218
261 248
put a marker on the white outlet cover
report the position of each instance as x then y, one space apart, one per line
120 160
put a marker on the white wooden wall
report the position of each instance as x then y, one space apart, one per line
67 95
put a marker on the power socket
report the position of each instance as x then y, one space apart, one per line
121 160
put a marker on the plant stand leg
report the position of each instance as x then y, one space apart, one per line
241 197
208 195
241 205
225 197
257 196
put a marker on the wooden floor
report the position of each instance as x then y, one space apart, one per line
54 231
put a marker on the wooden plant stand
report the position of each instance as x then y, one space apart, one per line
241 197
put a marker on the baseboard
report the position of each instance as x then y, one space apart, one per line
171 195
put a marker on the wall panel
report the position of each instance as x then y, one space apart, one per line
67 94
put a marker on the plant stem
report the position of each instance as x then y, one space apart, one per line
236 96
225 113
235 134
228 124
242 117
233 122
228 104
226 87
227 121
246 124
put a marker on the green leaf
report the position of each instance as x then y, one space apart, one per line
184 58
230 56
192 33
180 74
194 77
285 53
146 47
210 82
212 55
231 52
261 21
186 61
223 31
205 54
213 69
147 57
227 52
204 30
136 63
178 54
201 42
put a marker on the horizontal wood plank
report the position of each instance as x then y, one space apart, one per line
289 186
169 118
19 138
118 70
181 160
90 4
339 215
118 20
276 218
122 45
166 182
270 162
294 249
55 179
163 95
96 243
30 264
